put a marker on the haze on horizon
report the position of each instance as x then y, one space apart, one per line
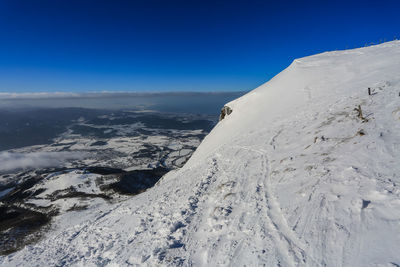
80 46
177 102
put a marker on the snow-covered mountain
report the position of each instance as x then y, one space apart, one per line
303 172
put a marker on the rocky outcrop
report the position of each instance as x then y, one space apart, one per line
225 111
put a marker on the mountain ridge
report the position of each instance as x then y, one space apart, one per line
293 176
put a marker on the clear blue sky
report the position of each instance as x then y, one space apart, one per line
60 45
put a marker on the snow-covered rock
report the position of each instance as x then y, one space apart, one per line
292 177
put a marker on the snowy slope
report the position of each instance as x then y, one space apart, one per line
292 177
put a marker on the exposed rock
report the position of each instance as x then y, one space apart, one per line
225 111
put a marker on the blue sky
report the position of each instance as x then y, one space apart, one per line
175 45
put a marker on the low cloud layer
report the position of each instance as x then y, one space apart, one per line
106 94
187 102
11 161
37 95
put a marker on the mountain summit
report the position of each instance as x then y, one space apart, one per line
304 170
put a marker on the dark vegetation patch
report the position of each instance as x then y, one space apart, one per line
72 193
135 182
76 207
6 186
19 227
148 151
99 143
200 136
50 170
20 193
103 170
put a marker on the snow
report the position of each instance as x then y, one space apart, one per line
180 161
75 178
291 177
59 182
184 152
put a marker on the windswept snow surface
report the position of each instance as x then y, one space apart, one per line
293 177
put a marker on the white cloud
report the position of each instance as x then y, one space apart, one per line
37 95
10 161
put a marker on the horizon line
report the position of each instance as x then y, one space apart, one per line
88 94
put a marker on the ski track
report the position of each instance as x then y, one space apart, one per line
266 234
